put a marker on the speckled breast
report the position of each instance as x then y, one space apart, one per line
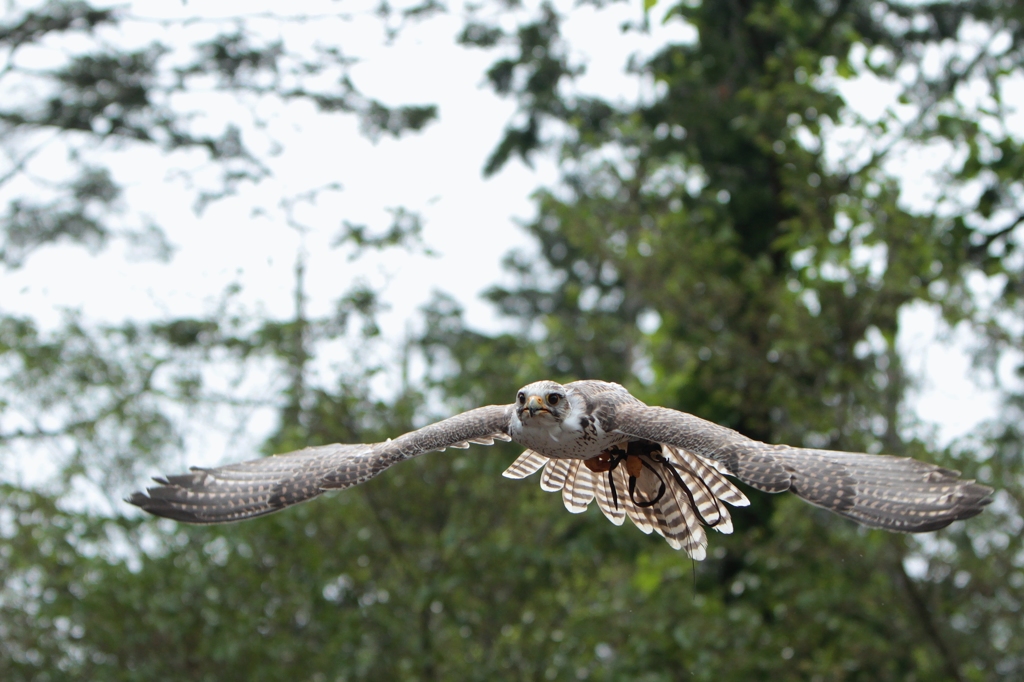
577 438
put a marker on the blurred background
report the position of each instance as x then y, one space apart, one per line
233 229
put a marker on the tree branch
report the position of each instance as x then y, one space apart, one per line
980 249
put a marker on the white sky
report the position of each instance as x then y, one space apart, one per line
469 222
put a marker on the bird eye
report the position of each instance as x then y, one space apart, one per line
522 397
553 398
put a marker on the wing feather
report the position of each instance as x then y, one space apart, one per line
611 509
646 489
249 489
711 473
879 491
680 524
257 487
578 492
710 510
525 465
491 422
554 475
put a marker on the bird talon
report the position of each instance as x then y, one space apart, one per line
599 464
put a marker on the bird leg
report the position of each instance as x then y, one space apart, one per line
608 459
606 462
599 464
629 452
635 463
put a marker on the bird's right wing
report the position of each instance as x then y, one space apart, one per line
249 489
261 486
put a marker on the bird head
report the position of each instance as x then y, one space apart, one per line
542 400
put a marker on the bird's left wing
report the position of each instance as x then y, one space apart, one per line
878 491
249 489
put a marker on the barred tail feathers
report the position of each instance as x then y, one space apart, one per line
675 494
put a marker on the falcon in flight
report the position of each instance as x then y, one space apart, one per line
664 469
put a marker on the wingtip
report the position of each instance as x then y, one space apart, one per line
164 508
137 498
986 494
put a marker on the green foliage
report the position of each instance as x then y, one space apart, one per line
703 249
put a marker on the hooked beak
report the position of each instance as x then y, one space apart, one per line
534 404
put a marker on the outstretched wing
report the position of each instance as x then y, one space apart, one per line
249 489
880 491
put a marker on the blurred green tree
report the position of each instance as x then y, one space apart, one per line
706 247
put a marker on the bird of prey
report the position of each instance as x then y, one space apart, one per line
666 470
